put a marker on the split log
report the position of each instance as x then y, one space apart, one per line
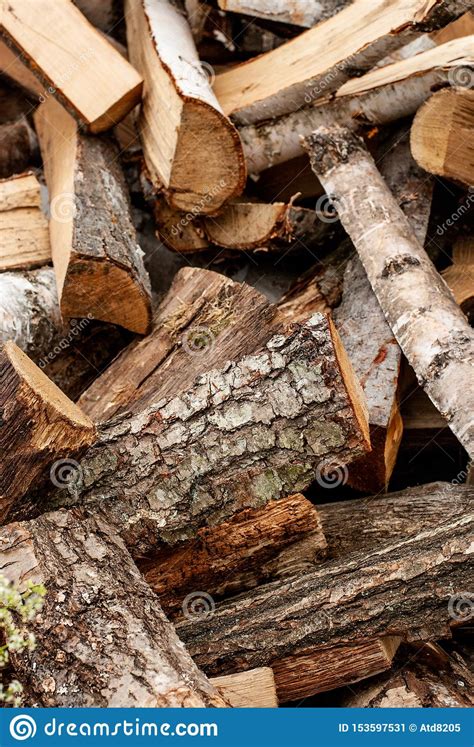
24 234
401 589
38 424
257 429
430 679
97 260
428 324
204 321
328 668
364 524
191 150
18 147
284 79
252 689
305 13
181 232
239 554
70 354
102 638
72 60
440 135
379 97
460 275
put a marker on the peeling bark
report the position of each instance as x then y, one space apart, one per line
102 639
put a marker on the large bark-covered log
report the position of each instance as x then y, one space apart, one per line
102 639
24 235
305 13
38 423
430 679
18 147
308 67
71 353
258 428
440 135
379 97
239 554
404 588
97 260
72 60
191 149
425 319
204 320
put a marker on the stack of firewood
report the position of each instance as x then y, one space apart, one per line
235 298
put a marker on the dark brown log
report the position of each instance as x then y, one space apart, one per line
38 423
239 554
98 262
404 588
430 679
204 320
256 429
102 639
18 147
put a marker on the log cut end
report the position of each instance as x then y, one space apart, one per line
103 290
441 140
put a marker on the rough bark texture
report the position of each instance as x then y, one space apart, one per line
18 147
431 679
363 524
379 97
259 428
403 588
102 638
429 326
69 353
253 689
37 424
204 320
97 260
239 554
328 668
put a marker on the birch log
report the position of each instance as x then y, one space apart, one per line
429 326
379 97
256 429
72 60
305 13
191 149
441 134
38 423
102 639
204 321
403 587
318 61
97 260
